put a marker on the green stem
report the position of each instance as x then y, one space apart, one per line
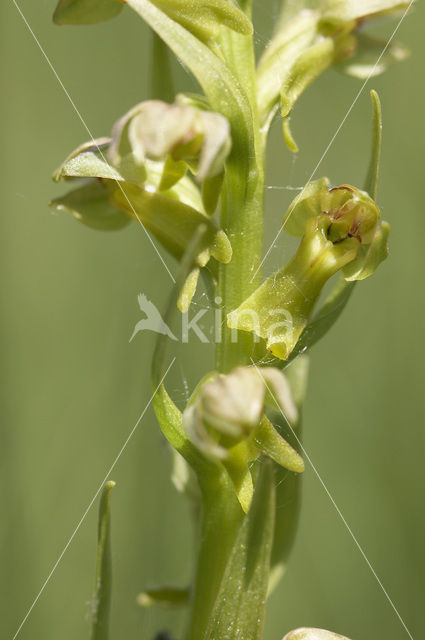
221 520
242 219
242 209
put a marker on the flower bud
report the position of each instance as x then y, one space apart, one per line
313 634
114 194
179 132
227 422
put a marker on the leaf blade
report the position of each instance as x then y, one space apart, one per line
102 595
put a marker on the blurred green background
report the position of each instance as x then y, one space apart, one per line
73 387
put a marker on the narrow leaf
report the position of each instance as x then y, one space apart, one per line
86 11
102 595
239 609
371 184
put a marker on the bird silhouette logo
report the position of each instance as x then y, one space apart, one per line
153 320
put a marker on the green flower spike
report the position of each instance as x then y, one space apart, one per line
313 634
227 422
341 230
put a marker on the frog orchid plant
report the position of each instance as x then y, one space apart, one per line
190 169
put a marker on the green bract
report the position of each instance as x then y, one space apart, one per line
340 229
204 18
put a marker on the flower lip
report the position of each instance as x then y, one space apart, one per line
353 215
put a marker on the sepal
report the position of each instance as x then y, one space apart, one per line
86 11
271 443
342 11
369 256
91 205
88 161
